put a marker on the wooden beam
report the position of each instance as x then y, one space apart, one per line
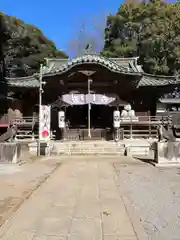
87 72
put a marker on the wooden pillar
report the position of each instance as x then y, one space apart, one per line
131 130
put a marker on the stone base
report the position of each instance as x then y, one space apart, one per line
45 148
10 152
137 150
166 164
167 154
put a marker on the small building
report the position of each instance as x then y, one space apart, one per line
112 84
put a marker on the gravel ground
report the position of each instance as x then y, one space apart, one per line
155 196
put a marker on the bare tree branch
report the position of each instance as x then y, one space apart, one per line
88 32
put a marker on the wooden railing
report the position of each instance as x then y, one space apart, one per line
145 120
135 133
25 125
143 126
25 121
139 127
5 119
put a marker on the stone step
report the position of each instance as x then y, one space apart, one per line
87 154
88 149
85 149
88 145
129 148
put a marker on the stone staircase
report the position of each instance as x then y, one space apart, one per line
80 148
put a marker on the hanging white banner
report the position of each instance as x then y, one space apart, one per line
82 99
45 122
116 119
61 119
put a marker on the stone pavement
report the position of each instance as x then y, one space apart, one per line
80 200
18 182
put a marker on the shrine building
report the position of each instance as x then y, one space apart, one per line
89 89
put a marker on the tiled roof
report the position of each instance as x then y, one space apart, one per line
156 80
127 63
130 62
146 80
90 59
120 65
25 82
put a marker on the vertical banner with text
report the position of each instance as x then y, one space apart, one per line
61 119
45 123
116 119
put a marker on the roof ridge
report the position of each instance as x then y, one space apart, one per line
21 78
101 57
160 76
111 60
126 58
92 58
57 59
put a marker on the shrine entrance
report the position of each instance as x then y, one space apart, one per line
100 116
88 110
87 116
101 123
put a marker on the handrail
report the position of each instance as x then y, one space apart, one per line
5 119
146 119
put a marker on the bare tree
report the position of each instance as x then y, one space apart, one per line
88 32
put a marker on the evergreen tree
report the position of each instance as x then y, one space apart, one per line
148 29
24 47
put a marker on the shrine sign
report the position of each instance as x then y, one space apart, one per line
82 99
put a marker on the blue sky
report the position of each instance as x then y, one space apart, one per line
56 18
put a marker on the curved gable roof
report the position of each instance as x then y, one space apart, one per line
89 59
131 62
120 65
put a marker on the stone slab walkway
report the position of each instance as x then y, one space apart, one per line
18 182
79 201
